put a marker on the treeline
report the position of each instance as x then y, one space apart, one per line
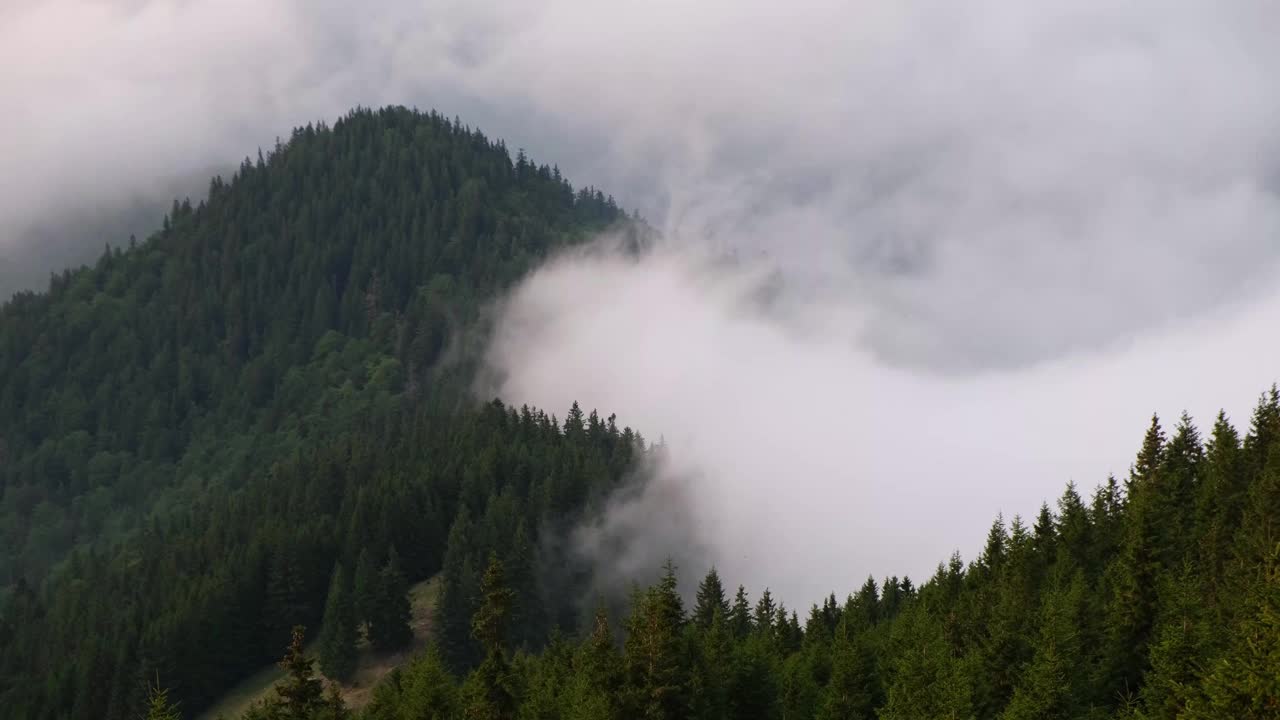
1159 597
331 279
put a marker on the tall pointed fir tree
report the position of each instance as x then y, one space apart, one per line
710 600
365 588
489 694
740 615
340 632
389 628
655 657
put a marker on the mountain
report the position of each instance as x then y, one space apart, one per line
189 426
325 279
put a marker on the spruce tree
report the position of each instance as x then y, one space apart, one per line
427 691
389 628
1244 682
594 690
301 694
340 632
740 614
159 707
710 600
656 659
765 612
852 691
365 588
1179 645
928 681
286 602
1053 685
489 693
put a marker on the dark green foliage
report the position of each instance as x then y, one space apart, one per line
710 601
740 614
340 632
330 276
488 694
300 695
197 427
159 707
656 658
389 625
424 691
366 587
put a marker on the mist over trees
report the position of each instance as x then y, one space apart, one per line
190 424
1155 597
258 421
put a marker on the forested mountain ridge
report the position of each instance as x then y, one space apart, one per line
196 429
322 280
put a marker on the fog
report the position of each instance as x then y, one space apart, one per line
974 246
810 462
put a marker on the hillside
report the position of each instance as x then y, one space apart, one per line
197 428
324 279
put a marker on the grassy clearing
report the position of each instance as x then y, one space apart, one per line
370 670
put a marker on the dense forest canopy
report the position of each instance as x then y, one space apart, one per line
325 279
164 413
253 429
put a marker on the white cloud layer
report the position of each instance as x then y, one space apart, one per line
808 462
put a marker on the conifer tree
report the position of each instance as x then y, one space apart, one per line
740 614
594 691
455 606
929 681
765 614
489 695
529 624
1149 456
852 692
340 632
1180 642
656 661
159 707
710 600
286 602
365 588
1219 502
301 694
389 629
427 691
1244 682
712 675
1051 686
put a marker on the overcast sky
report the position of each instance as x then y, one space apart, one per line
997 234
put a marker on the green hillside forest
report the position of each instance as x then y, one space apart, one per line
243 439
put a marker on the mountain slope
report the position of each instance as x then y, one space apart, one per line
327 277
197 428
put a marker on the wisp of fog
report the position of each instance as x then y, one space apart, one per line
808 461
